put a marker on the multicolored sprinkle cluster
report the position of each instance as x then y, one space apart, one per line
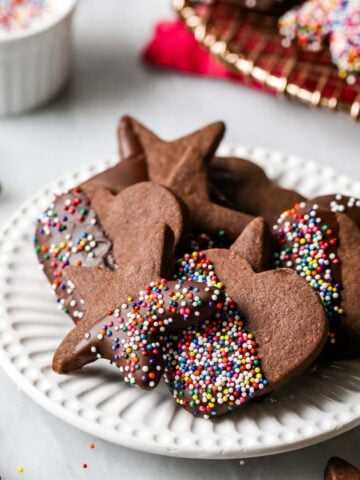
60 241
132 335
316 21
131 332
213 367
20 14
309 246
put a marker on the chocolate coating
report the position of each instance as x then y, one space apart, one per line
69 233
329 260
279 309
131 335
286 318
145 220
337 203
81 234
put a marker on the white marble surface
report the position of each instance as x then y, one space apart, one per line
79 127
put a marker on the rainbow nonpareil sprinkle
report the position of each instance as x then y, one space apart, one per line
307 244
318 21
131 336
213 367
18 15
68 234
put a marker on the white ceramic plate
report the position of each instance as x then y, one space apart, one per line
312 408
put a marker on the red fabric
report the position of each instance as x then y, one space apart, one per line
174 46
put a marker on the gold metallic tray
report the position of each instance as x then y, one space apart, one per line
249 44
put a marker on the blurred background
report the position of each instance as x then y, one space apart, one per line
78 127
110 79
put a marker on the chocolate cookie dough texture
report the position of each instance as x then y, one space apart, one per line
238 189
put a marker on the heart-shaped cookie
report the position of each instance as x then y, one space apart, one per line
90 243
181 165
272 327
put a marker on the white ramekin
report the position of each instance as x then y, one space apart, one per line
35 63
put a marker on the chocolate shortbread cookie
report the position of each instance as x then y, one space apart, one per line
245 187
70 232
272 327
320 240
143 245
181 166
79 228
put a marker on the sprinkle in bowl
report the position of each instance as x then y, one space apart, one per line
35 52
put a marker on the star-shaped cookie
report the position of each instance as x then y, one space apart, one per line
181 165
